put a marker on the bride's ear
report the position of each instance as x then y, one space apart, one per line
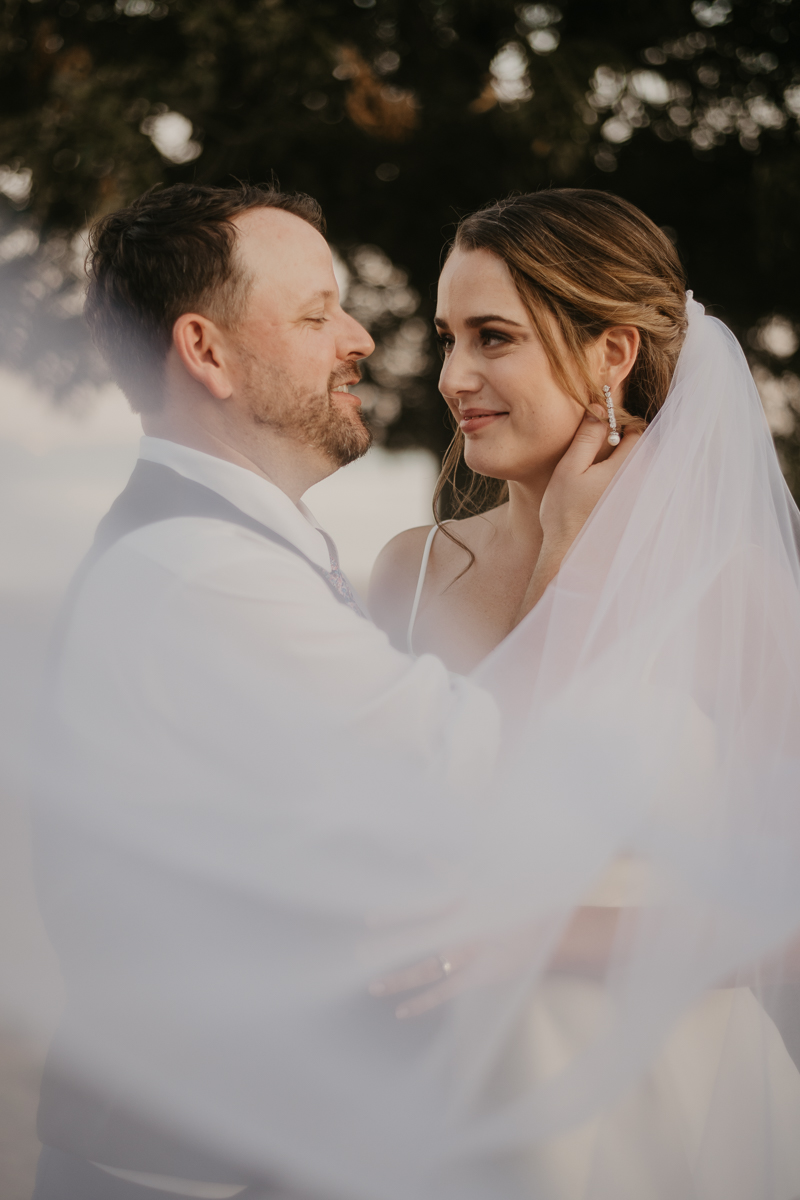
617 349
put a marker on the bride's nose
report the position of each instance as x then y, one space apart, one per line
458 376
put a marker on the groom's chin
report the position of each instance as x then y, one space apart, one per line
349 442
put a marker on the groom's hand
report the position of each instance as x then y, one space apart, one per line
440 976
575 487
585 950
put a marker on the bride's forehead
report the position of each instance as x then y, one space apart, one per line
471 277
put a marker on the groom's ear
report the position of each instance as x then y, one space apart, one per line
202 349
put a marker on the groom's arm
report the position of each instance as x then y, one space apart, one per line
590 940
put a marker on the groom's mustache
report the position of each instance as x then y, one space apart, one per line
350 373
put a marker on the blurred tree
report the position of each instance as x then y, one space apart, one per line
399 115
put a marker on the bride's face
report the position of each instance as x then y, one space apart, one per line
516 419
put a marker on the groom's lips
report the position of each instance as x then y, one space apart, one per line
343 389
473 419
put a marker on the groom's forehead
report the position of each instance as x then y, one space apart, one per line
283 252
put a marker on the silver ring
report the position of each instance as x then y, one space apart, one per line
445 964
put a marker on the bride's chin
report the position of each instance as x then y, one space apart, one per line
513 463
487 466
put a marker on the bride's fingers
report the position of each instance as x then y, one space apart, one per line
585 446
608 468
629 440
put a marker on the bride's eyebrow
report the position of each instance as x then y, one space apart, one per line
476 322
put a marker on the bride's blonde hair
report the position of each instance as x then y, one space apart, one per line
582 261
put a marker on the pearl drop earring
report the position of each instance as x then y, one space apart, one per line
613 437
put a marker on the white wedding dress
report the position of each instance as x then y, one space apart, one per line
659 1141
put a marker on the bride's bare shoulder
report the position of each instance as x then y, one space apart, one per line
396 571
394 582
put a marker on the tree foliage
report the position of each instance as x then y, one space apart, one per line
399 115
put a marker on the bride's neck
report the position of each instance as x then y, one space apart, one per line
522 514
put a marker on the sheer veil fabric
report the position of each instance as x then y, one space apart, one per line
656 715
649 761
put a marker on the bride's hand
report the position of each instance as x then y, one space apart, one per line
580 479
577 483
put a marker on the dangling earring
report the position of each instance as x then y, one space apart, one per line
613 437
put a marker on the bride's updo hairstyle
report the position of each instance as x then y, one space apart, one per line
582 261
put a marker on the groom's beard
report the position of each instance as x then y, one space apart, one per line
314 419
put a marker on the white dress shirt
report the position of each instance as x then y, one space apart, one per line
253 494
171 608
209 675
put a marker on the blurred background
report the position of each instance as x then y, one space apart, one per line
399 116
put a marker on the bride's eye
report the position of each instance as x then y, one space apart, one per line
445 341
492 337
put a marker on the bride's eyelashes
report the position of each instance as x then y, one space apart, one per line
490 339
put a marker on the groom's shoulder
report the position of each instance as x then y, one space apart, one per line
196 551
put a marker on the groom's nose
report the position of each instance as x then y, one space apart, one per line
353 340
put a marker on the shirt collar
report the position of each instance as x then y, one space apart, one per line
254 495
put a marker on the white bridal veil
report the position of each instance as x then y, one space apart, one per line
649 763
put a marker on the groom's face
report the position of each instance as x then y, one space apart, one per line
296 350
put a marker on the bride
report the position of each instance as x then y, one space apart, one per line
666 643
543 301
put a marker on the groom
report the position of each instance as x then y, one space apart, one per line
213 658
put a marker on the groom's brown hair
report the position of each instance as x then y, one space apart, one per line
170 252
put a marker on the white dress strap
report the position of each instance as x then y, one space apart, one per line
423 568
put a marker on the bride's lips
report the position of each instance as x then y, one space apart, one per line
473 419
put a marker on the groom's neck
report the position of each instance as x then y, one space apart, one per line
225 433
